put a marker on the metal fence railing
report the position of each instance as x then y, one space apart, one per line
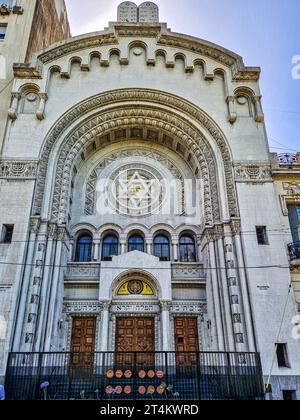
134 376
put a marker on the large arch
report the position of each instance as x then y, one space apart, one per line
99 115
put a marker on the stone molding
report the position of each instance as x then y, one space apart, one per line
253 172
128 95
18 169
90 307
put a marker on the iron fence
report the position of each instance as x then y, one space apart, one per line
134 376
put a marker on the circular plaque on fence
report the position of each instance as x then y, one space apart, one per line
128 374
119 374
151 374
160 390
127 390
110 374
142 390
118 390
142 374
109 389
160 374
151 390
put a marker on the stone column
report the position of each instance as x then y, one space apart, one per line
165 320
236 230
40 113
24 290
199 244
123 246
96 249
215 289
54 288
45 290
105 325
149 246
224 287
175 243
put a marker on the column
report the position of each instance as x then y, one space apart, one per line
105 325
12 112
45 290
96 249
40 113
165 320
224 288
149 246
123 246
54 289
215 290
175 243
24 290
244 286
199 244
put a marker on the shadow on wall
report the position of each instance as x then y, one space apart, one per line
2 67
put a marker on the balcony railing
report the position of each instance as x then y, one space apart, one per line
294 251
134 376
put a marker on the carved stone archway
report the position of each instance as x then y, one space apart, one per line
131 107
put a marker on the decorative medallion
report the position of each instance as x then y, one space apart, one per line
136 288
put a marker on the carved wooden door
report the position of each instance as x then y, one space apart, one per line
135 335
83 341
186 340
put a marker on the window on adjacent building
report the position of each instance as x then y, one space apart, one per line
7 234
294 217
262 237
187 249
282 355
162 248
84 248
110 247
289 395
3 28
136 243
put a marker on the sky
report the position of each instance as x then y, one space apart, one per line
266 33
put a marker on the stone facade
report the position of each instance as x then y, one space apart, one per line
158 106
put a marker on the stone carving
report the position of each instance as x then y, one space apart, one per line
135 307
82 307
253 172
189 308
292 188
12 169
187 273
82 272
117 155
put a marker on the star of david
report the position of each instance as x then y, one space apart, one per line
136 190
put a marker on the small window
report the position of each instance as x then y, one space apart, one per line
289 395
8 231
136 243
110 247
3 28
282 355
162 248
262 237
84 248
187 249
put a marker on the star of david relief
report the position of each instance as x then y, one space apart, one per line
137 190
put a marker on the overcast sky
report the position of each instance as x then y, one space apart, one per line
265 32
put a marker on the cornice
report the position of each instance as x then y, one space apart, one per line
163 36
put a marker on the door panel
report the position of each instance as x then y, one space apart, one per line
83 341
186 340
135 335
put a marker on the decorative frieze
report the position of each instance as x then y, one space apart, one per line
13 169
253 172
77 307
183 307
187 272
135 307
82 272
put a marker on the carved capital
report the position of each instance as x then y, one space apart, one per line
236 227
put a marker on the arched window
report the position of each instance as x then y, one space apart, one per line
136 243
84 247
187 249
162 248
110 247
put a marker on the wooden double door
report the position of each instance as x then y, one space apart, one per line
135 335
